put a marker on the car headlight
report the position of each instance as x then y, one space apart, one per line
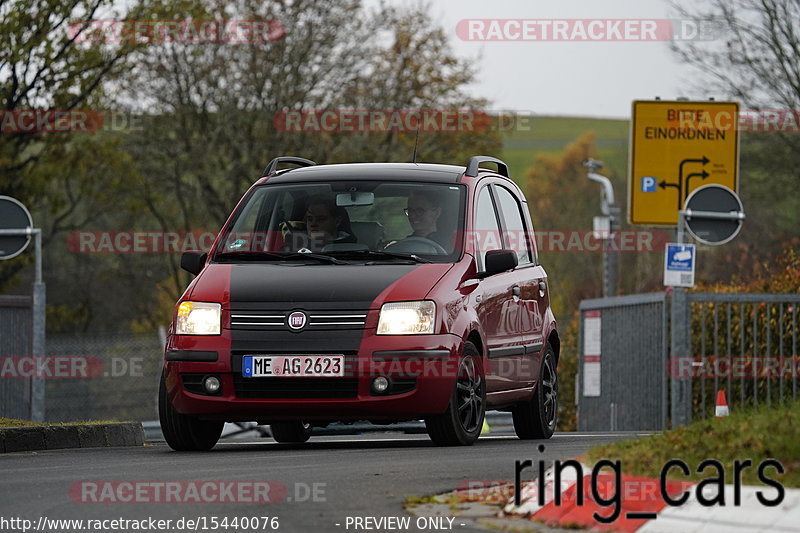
198 318
407 318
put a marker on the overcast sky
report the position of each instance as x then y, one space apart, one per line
567 77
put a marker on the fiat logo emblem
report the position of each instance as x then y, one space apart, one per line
297 320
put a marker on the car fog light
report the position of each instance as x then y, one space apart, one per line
212 384
380 384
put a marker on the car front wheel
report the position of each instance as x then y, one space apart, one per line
185 433
536 418
461 423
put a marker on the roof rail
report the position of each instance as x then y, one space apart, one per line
272 167
472 166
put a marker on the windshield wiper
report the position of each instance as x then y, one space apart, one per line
383 255
325 258
279 256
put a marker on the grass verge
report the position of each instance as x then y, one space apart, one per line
753 434
13 423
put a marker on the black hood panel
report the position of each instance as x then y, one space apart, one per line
284 287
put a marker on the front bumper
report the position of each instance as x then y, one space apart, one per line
429 363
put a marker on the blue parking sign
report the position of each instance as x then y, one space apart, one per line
648 184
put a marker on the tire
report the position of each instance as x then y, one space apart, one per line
461 423
536 419
291 432
185 433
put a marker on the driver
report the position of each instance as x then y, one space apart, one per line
423 212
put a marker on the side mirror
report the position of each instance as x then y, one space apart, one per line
497 261
193 261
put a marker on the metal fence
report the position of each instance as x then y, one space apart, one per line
745 345
122 381
15 341
623 354
742 344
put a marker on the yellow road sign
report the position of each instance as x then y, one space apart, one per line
676 147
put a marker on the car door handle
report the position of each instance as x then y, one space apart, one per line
515 290
542 288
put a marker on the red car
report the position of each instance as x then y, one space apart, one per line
383 292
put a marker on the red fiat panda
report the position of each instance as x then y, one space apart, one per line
381 292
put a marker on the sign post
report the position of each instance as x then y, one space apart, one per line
677 150
16 229
713 215
675 147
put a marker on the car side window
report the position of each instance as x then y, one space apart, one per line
515 235
487 227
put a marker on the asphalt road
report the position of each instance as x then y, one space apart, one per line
356 476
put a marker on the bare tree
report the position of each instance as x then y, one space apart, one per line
755 57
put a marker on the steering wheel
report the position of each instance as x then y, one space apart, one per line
416 245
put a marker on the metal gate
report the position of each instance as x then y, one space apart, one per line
623 354
742 344
745 345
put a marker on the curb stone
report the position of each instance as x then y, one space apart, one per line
22 439
91 436
60 437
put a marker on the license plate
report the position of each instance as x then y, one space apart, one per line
290 366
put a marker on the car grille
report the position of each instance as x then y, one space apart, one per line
317 320
295 388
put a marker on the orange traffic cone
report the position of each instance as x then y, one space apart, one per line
722 405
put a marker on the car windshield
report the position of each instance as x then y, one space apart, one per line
371 220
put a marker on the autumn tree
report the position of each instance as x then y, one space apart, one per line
563 202
47 64
210 111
